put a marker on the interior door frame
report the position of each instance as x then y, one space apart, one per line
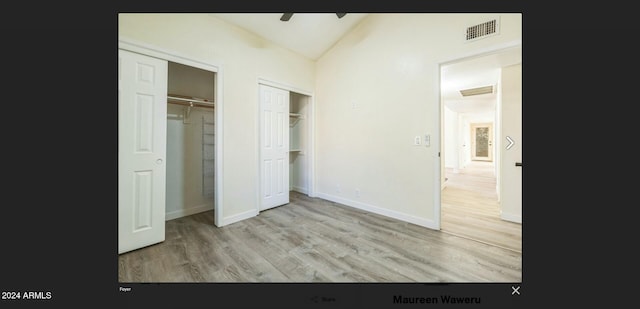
472 140
439 170
173 56
310 135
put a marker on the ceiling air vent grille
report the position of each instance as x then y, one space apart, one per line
482 30
476 91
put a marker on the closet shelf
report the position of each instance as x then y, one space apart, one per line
295 118
189 101
295 150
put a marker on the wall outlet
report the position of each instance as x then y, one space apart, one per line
338 190
357 192
416 140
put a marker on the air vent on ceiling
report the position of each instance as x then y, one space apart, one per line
482 30
476 91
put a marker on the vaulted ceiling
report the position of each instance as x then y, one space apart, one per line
313 34
308 34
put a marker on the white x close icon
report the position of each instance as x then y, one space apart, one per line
515 290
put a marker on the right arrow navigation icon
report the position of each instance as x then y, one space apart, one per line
511 142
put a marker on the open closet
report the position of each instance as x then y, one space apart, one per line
190 141
166 149
298 142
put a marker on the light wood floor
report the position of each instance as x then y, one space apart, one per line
313 240
470 208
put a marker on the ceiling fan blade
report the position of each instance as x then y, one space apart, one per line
286 16
340 15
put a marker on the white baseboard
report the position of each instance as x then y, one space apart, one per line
511 217
187 211
380 211
239 217
300 189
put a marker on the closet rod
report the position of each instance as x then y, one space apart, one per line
189 102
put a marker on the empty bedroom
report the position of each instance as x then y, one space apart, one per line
310 147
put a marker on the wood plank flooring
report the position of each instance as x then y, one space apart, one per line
313 240
470 208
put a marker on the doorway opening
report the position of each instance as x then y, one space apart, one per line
190 162
470 204
169 142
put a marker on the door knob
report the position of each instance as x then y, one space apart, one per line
159 161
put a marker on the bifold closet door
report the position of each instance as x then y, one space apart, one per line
142 133
274 147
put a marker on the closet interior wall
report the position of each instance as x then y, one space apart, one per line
190 143
298 142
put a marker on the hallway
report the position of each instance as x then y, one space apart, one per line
470 208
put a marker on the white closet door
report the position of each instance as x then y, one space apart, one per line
274 144
142 133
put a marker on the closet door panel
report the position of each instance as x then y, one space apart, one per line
142 131
274 147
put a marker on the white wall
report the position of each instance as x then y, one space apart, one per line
511 105
498 141
388 67
243 58
451 149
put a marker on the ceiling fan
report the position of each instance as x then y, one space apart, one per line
287 16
